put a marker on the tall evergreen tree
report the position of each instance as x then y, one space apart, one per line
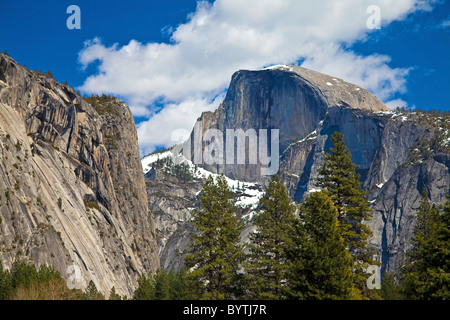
180 288
166 286
6 283
339 177
427 220
320 265
162 285
266 261
113 295
214 254
91 292
46 273
25 282
390 288
145 289
427 273
441 256
23 274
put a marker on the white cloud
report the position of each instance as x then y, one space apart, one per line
229 35
445 24
393 104
370 72
174 117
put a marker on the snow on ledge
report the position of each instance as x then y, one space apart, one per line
283 67
148 160
249 191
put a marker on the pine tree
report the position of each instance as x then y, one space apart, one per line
441 256
180 288
427 221
113 295
339 177
145 289
6 286
162 285
266 261
390 288
166 286
23 274
415 275
24 282
47 273
320 265
91 292
214 254
427 273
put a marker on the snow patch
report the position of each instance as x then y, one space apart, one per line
249 192
148 160
282 67
384 112
380 185
311 136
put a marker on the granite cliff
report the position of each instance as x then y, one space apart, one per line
398 153
72 191
292 99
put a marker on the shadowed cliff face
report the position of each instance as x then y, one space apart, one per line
71 185
292 100
398 154
272 100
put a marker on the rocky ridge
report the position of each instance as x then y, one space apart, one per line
72 189
173 195
398 153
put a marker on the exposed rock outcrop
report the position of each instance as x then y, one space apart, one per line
172 200
398 153
292 99
72 189
398 156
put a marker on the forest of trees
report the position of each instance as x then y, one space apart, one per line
26 282
314 250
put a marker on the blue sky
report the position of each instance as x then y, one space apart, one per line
170 60
35 34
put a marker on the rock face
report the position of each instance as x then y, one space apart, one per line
398 154
291 99
171 200
395 165
173 191
71 188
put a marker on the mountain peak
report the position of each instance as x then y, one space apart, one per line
289 98
336 91
65 165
